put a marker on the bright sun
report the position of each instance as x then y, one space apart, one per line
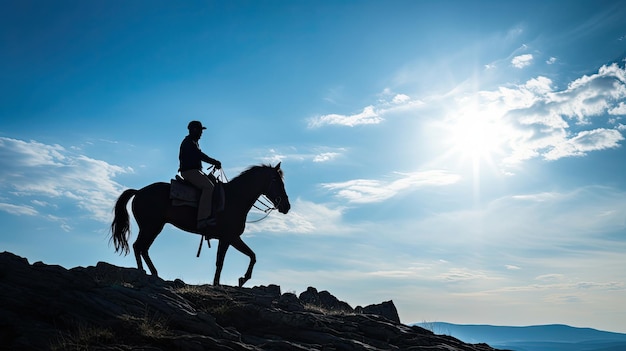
475 136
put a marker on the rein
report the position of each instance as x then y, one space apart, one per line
267 211
262 206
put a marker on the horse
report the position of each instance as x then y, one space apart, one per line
152 209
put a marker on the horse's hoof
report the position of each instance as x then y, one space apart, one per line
242 281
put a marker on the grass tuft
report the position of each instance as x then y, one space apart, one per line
326 311
84 338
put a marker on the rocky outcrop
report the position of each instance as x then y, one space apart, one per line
104 307
386 309
324 300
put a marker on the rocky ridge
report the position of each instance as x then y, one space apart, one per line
105 307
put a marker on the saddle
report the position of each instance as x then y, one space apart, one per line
183 193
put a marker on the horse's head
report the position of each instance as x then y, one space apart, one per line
276 190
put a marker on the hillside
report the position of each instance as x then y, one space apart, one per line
48 307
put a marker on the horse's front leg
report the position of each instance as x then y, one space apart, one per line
245 249
219 264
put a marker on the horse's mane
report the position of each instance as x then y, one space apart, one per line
256 167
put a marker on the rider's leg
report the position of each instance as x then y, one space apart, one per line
201 181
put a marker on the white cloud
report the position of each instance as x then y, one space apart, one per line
370 190
401 98
372 114
431 272
367 116
551 60
273 157
584 142
539 86
62 222
522 61
43 203
18 210
540 119
463 274
32 154
620 109
317 155
325 156
33 169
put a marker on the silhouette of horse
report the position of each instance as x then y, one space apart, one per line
152 209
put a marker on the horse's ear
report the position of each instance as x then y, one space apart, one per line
278 165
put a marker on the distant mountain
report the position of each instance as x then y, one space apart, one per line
554 337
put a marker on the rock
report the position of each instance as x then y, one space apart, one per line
272 290
386 309
48 307
324 300
310 296
289 302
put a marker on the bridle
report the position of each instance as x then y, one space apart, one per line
260 203
263 206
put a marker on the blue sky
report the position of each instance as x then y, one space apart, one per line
464 159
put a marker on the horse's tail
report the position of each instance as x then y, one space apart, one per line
120 228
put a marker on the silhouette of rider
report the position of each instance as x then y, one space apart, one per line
191 158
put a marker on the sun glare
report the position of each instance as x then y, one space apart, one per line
473 142
476 137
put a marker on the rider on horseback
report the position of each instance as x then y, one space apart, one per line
191 158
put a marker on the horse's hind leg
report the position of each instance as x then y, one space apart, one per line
245 249
138 257
145 238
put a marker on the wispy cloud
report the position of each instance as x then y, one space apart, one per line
578 221
318 154
51 173
325 156
463 274
372 114
18 210
367 116
555 284
31 153
371 190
